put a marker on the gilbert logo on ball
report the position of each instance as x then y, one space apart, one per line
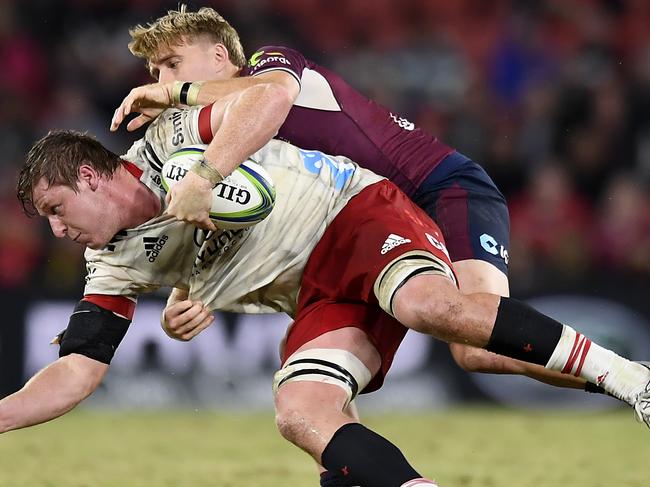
241 200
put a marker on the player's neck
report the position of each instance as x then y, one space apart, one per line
140 204
230 71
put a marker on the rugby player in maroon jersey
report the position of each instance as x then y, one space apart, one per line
325 113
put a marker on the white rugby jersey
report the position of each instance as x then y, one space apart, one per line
254 270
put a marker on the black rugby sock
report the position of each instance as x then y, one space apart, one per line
363 457
334 479
522 333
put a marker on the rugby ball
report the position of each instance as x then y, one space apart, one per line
241 200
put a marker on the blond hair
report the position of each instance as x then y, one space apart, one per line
171 29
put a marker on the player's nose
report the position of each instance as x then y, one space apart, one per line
58 227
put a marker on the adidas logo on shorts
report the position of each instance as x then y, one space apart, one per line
393 241
153 246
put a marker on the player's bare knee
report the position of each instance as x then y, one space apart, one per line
291 421
301 407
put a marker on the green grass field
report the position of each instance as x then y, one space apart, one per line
459 448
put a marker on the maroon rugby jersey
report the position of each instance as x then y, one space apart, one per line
332 117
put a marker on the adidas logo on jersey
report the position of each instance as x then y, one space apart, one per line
393 241
153 246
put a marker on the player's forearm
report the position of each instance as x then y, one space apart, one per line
246 124
215 90
52 392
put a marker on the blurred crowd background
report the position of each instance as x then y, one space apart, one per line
552 97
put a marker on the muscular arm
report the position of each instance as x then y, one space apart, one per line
241 124
215 90
52 392
151 99
246 121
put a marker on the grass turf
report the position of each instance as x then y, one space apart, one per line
483 447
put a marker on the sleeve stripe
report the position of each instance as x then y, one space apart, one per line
205 124
120 305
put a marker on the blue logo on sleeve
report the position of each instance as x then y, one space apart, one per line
315 161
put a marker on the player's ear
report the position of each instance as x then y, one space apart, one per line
220 54
89 175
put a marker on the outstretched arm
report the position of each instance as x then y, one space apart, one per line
52 392
95 330
215 90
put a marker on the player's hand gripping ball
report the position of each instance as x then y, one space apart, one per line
241 200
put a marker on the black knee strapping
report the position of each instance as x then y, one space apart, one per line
522 333
366 458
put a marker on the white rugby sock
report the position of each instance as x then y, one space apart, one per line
577 355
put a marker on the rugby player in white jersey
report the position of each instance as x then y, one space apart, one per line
325 237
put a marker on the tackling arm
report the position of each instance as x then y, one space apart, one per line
150 100
244 122
215 90
52 392
241 124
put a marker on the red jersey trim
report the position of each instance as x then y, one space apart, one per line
205 124
120 305
132 168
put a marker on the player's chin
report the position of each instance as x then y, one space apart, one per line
95 244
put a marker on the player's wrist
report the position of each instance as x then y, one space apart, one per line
207 171
186 93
